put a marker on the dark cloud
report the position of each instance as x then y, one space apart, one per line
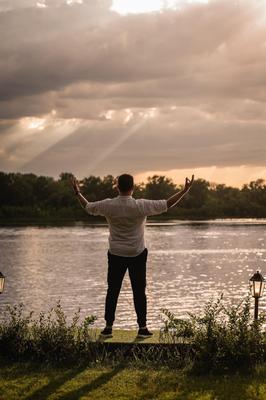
158 141
202 68
47 49
8 5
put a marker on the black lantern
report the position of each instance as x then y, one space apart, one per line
256 283
2 282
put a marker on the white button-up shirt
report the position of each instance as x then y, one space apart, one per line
126 218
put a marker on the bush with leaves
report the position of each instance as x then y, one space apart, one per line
14 332
224 337
49 337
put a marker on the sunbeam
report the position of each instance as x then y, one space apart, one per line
133 129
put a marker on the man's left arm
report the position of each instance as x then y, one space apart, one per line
173 200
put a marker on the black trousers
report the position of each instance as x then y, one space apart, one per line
117 267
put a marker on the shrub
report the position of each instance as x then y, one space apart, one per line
47 338
222 338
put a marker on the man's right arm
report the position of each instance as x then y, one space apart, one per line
82 199
178 196
91 207
76 189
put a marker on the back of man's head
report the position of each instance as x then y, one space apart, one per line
125 183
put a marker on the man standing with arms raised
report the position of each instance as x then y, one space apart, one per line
126 218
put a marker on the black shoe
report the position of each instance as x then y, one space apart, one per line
107 332
144 333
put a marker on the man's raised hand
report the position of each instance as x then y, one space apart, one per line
75 184
189 183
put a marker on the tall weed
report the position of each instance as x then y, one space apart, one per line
224 337
49 337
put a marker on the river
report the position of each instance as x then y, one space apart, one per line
188 264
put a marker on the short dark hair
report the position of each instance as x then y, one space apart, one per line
125 182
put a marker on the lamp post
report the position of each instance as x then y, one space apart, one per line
256 284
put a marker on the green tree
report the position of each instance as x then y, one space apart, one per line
30 196
91 188
159 187
198 194
254 198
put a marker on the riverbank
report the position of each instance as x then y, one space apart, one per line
89 221
205 358
61 222
31 381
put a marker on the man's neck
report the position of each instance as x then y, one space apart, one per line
125 194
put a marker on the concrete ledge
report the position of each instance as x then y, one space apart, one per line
127 343
125 336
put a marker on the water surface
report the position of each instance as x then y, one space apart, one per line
188 264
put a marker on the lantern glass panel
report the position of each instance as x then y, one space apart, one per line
252 288
262 287
257 288
2 281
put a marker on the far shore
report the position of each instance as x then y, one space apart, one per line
152 221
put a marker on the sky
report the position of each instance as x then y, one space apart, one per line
96 87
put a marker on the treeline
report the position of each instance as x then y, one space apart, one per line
31 197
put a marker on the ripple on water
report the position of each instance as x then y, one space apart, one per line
187 265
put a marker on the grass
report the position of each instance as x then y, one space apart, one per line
68 364
125 336
31 381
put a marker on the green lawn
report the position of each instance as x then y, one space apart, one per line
35 381
130 336
125 336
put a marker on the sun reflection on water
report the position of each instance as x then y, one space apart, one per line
187 266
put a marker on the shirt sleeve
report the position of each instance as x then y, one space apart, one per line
97 207
154 207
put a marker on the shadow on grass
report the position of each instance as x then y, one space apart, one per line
95 384
208 386
44 391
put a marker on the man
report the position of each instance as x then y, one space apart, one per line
126 218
